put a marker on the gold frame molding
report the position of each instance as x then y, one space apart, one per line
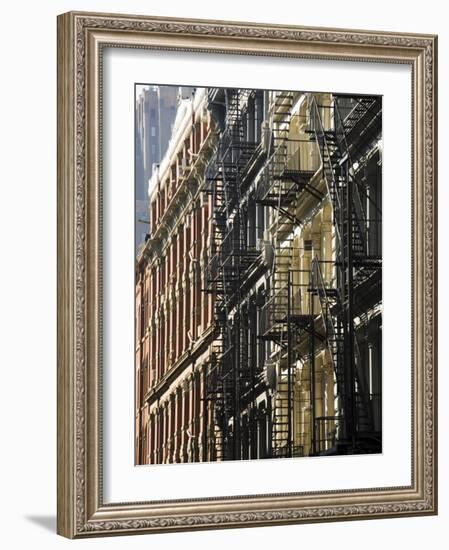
81 37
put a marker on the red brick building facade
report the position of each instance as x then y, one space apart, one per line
173 315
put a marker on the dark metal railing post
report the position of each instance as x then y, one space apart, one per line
289 369
312 365
349 320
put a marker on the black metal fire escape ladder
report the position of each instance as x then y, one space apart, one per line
337 304
232 258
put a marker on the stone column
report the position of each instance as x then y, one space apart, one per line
158 437
150 438
200 419
176 426
185 287
167 430
163 433
326 250
305 438
147 434
319 403
316 252
304 264
167 331
190 441
319 387
184 437
330 395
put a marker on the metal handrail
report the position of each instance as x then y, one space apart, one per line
317 118
360 212
326 314
357 354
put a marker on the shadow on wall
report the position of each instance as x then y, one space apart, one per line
46 522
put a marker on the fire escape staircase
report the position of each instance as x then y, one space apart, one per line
282 185
353 263
230 259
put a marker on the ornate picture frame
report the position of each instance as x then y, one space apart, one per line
82 38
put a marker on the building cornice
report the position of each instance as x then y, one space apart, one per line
190 186
186 359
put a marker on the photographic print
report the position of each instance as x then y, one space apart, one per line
258 274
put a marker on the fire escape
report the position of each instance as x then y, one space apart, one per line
305 311
358 266
229 375
286 314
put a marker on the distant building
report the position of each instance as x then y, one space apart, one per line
155 113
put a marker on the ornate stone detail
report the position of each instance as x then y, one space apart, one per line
82 23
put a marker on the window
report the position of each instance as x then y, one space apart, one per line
308 244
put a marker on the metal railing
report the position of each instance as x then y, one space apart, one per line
327 430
